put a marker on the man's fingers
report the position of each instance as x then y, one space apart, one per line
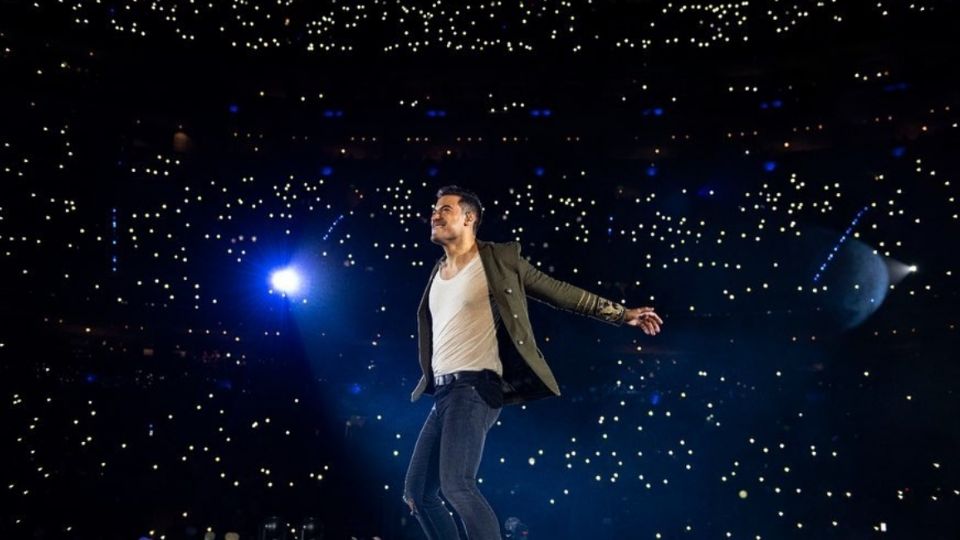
652 316
646 320
648 312
643 323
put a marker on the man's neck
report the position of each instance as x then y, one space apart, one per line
460 253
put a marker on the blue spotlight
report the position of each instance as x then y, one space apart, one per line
326 170
538 171
286 280
355 388
234 108
899 151
770 166
652 170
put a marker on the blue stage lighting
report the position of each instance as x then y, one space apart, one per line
286 280
836 247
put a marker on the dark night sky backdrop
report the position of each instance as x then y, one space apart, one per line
156 387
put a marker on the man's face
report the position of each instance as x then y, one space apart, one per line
448 221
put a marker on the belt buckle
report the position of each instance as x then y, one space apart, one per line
449 378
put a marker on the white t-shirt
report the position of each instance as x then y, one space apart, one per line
464 330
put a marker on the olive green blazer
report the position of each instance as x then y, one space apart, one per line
511 278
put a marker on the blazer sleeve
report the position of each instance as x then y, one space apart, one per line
562 295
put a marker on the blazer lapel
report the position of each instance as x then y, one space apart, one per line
425 324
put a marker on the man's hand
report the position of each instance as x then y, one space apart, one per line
645 318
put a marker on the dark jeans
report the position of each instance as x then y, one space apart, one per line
446 458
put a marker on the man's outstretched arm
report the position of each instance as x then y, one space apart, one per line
563 295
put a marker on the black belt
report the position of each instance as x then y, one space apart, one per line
448 378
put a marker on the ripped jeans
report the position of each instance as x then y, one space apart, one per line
446 459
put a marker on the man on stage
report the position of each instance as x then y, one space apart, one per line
478 353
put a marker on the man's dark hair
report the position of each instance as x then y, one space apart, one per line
469 202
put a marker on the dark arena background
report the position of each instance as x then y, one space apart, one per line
777 178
